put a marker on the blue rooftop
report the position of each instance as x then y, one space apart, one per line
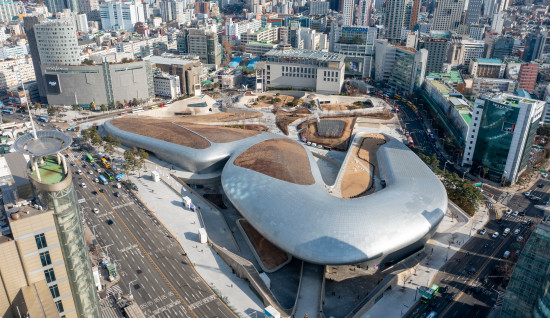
523 93
236 61
489 61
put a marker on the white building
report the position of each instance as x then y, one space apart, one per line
14 51
347 12
485 85
304 69
118 15
8 9
233 30
8 79
167 85
57 43
363 12
447 15
318 7
81 22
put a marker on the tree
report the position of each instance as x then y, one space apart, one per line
544 130
111 105
88 62
135 101
278 94
36 107
51 111
227 51
296 102
103 107
312 103
276 100
75 107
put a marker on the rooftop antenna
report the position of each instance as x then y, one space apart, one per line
16 70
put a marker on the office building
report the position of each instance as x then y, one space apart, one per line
492 7
463 50
398 15
501 134
105 83
527 293
409 69
55 6
202 7
14 51
268 34
447 15
527 77
357 45
259 48
57 42
483 67
473 12
363 12
304 69
188 71
52 181
318 7
81 21
29 23
347 7
9 79
8 10
438 49
90 8
488 85
120 15
167 85
204 43
503 46
534 45
172 11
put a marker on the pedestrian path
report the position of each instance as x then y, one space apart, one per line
310 291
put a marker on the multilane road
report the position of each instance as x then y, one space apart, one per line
164 282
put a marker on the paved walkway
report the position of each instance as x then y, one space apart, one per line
184 224
308 297
449 238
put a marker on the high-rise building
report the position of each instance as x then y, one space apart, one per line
57 42
534 45
438 49
205 44
527 77
363 12
483 67
202 7
492 7
60 5
30 22
53 186
89 6
81 21
347 11
502 131
503 46
356 44
527 293
447 15
473 12
120 15
318 7
8 9
394 19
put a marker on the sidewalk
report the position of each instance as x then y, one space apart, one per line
184 224
440 248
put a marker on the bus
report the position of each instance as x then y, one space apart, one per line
90 158
105 163
137 110
119 176
103 179
7 111
428 293
43 119
109 175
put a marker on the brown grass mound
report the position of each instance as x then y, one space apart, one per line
161 129
270 255
220 134
279 158
283 118
221 117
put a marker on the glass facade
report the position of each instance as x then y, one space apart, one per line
402 73
63 201
494 140
527 292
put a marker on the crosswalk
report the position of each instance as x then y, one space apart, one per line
114 290
500 298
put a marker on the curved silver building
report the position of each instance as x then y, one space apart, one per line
276 185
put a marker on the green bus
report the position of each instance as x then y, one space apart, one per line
428 293
109 175
90 158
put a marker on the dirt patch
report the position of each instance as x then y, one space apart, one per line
285 118
250 127
336 107
337 143
268 101
270 255
358 178
219 134
221 117
215 199
279 158
162 130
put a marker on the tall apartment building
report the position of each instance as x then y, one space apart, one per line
447 15
57 42
527 77
501 134
120 15
534 45
204 43
29 23
473 12
399 15
318 7
8 9
202 7
172 11
503 46
347 11
463 50
527 293
438 49
304 69
363 12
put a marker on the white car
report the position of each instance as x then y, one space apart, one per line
96 210
516 231
528 193
519 238
91 172
96 180
83 185
79 171
495 235
515 213
98 170
509 211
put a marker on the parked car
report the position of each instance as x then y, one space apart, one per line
117 194
495 235
482 231
515 213
519 238
94 192
96 210
540 185
528 193
509 211
109 221
83 185
516 231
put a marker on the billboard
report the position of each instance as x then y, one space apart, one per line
52 84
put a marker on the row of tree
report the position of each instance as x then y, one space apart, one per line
462 192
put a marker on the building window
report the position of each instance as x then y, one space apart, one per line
59 306
40 241
50 275
54 290
468 153
45 258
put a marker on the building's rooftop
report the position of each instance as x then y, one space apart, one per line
50 171
511 100
170 60
489 61
408 49
453 77
307 54
261 43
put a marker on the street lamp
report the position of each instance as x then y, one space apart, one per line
445 166
465 172
130 288
106 247
93 229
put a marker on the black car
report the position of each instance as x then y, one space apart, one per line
101 190
443 290
109 221
540 185
450 297
499 221
94 192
